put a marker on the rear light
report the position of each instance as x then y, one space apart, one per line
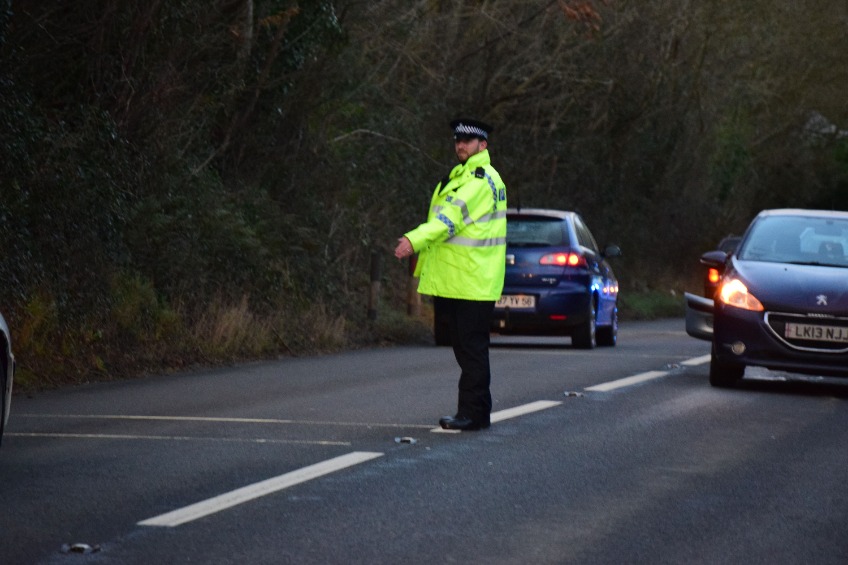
563 260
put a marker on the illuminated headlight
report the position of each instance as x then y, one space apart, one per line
735 293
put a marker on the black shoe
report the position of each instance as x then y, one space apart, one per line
462 423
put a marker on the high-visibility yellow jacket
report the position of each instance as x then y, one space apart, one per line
462 245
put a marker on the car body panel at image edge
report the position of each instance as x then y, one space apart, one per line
7 373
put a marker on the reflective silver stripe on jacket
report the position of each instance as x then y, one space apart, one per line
463 207
470 242
491 217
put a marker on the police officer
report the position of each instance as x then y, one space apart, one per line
462 256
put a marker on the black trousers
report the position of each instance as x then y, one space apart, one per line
470 322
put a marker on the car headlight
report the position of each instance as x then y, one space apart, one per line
735 293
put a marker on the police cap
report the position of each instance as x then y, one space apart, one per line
466 128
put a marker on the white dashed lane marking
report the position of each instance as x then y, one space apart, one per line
508 413
621 383
257 490
696 361
644 377
269 486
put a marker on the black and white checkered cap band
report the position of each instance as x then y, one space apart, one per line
465 129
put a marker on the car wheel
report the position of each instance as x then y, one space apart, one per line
584 335
724 374
608 335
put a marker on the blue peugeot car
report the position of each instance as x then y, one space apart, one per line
558 281
782 300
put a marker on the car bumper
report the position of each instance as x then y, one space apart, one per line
743 337
556 312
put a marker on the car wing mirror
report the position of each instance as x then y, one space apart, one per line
715 259
612 251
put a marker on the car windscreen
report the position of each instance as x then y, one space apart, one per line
536 232
797 239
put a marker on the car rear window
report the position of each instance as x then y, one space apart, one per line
536 232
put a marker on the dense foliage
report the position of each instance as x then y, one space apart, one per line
189 180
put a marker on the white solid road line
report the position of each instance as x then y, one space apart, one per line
508 413
208 419
179 438
256 490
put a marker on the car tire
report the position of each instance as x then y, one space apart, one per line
585 336
724 374
607 336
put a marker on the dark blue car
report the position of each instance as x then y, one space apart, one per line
558 281
782 301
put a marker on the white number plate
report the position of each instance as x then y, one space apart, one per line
817 333
517 301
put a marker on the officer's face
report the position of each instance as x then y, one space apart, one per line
465 148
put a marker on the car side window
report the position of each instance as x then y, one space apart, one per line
584 236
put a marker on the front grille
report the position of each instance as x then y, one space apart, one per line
813 332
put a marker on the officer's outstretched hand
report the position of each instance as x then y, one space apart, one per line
404 248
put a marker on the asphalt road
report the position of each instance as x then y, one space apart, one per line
616 455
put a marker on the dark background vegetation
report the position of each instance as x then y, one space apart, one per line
198 181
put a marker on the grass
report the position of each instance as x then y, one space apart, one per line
651 305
